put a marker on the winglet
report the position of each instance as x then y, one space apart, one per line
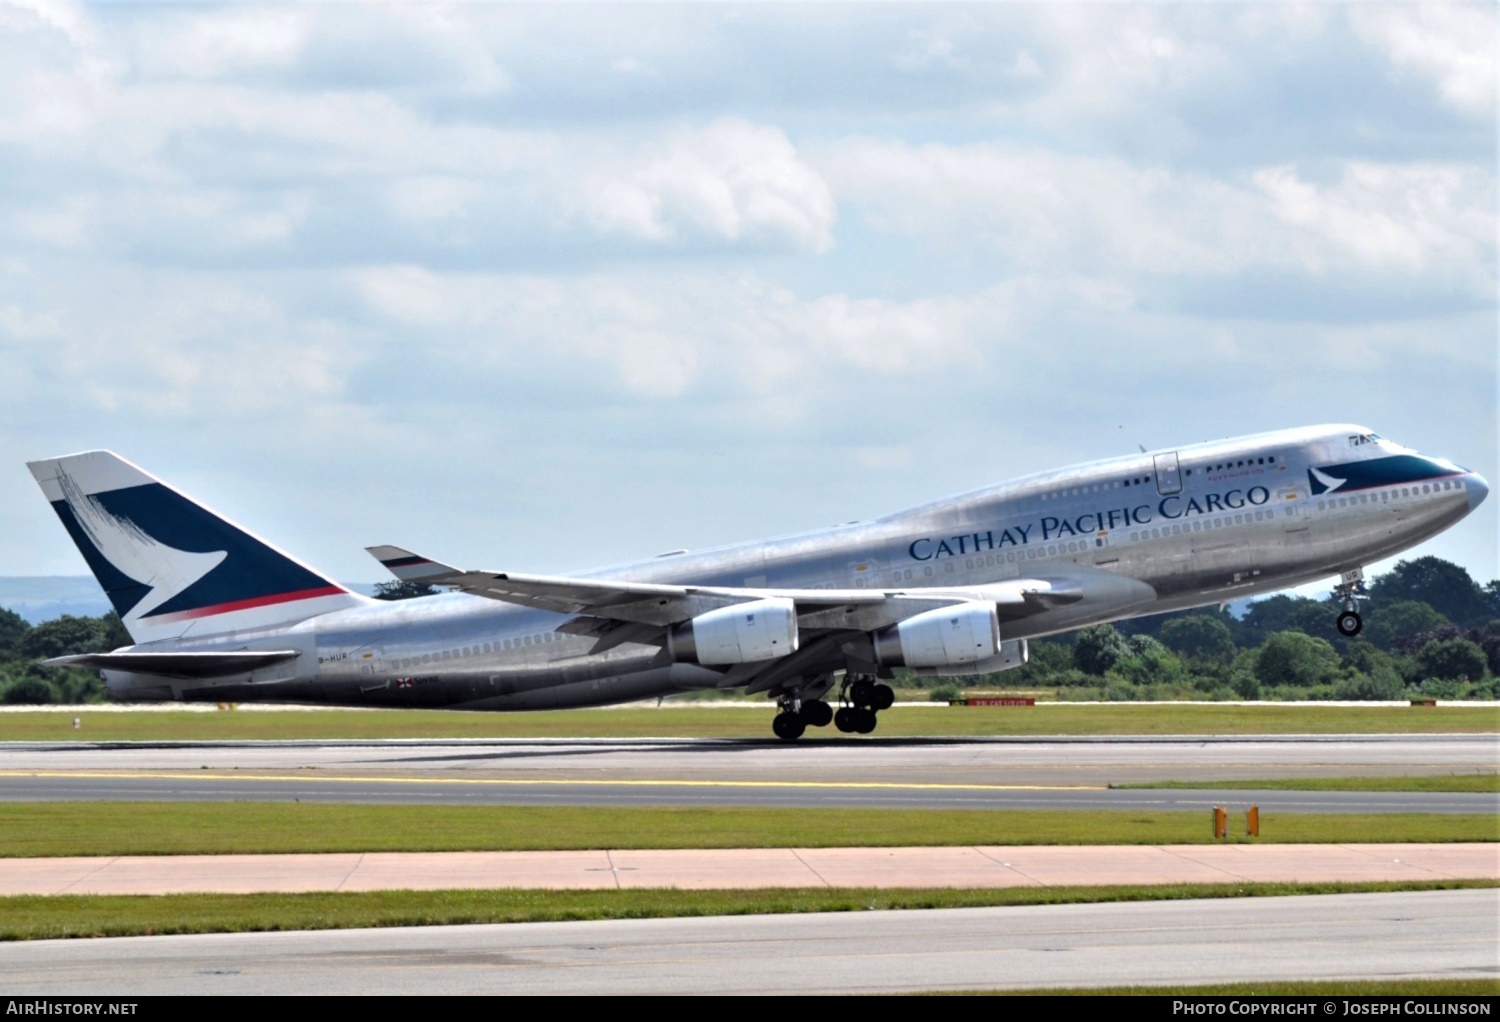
409 567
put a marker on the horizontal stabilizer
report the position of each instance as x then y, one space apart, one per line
178 665
407 566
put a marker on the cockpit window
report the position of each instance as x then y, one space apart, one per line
1364 438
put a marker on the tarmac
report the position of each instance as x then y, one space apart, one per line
438 789
697 869
1050 761
1443 934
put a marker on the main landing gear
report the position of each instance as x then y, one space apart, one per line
860 700
797 716
862 697
1351 586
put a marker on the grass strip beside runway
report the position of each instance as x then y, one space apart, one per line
742 722
1483 783
1293 988
43 917
29 829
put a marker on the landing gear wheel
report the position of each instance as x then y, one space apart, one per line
883 698
788 726
817 713
1350 624
862 692
865 721
845 719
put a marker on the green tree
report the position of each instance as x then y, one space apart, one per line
1044 660
13 629
1492 598
1389 621
1385 683
1442 585
1265 618
27 688
1200 637
1153 665
396 589
1098 648
64 636
1292 658
1144 645
114 633
1452 660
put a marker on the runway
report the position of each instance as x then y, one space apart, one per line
212 787
1353 936
1048 761
755 868
978 773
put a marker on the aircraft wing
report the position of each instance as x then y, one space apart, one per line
659 605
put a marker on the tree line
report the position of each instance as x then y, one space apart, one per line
1430 631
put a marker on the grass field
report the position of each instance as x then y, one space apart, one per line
38 917
741 722
1485 783
1476 988
29 829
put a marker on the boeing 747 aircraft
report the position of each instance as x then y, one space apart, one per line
953 587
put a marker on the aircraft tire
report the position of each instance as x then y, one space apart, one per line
1350 624
865 723
884 697
862 692
817 713
845 719
788 726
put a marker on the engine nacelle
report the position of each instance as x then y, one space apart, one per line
961 634
1012 654
745 632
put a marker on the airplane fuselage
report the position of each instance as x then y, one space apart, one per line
1138 535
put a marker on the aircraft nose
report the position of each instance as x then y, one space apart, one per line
1478 489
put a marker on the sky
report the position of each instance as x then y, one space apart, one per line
544 287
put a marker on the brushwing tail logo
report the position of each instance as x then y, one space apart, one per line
1321 482
140 556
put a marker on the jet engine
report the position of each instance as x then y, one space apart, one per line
961 634
1013 653
738 634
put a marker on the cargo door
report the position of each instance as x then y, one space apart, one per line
1168 474
1296 522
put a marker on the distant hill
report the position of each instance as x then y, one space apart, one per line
39 598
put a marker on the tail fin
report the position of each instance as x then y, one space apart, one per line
169 565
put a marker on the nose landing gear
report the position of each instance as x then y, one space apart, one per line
1351 586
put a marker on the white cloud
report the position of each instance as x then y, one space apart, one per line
211 44
1452 44
1029 209
670 336
1411 218
530 263
730 181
